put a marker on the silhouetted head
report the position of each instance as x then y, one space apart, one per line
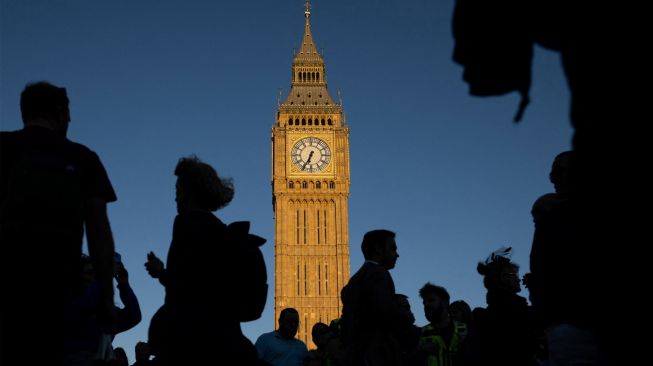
199 187
499 273
559 174
380 246
461 311
335 325
436 302
288 323
43 104
142 351
321 334
120 357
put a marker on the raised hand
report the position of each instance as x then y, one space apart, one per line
154 265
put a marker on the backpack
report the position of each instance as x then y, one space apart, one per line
251 290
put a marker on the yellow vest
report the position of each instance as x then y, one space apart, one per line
443 352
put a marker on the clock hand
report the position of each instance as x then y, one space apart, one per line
308 160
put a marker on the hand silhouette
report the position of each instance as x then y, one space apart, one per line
154 265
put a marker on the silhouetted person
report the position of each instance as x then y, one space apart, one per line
335 348
280 347
372 319
321 334
608 178
119 358
194 325
85 340
409 337
502 334
461 313
560 301
439 343
52 190
559 177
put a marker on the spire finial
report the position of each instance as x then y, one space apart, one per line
307 12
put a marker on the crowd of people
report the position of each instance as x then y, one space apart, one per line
44 225
377 324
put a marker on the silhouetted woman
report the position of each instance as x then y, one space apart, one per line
503 333
197 323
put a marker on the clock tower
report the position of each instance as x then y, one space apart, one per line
310 194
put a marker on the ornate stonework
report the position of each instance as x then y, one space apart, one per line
310 184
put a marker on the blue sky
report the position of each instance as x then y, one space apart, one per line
154 80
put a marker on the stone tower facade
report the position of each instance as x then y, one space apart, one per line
310 184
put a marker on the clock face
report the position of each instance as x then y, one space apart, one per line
310 154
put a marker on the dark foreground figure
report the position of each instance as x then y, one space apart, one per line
52 190
602 224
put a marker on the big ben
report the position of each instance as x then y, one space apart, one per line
310 185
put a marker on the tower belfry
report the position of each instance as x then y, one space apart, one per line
310 185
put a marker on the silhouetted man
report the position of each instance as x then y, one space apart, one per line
372 319
280 347
51 191
439 342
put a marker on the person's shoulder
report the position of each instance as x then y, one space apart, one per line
9 134
81 148
266 337
8 138
544 205
300 344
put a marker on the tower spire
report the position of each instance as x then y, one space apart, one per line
308 50
308 85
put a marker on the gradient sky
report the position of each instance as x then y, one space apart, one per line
151 81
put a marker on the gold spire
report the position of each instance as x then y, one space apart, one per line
308 50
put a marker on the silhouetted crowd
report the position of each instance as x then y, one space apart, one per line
58 303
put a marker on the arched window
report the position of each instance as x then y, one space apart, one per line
313 76
332 185
322 122
318 76
318 185
303 120
291 185
329 122
310 122
304 185
290 121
